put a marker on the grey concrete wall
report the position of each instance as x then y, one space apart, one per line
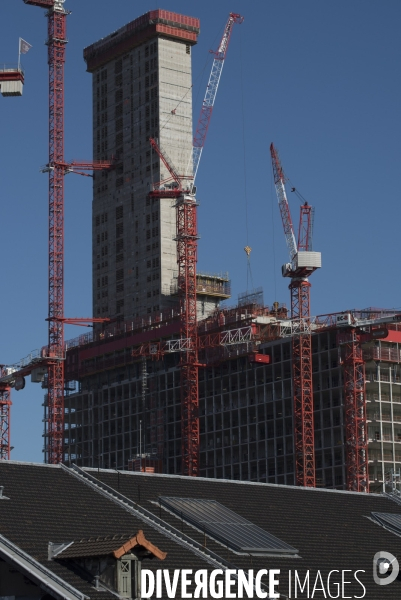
134 254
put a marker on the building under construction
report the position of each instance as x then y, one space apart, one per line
127 412
169 381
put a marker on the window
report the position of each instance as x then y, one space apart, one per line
119 274
119 212
242 536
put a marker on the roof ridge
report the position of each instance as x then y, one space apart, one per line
231 481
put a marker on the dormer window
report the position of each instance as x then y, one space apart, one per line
113 563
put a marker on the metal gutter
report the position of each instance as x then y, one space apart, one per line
47 580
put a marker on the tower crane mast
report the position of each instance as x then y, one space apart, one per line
187 237
57 168
303 263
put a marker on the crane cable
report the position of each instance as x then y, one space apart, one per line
199 78
247 248
173 112
273 203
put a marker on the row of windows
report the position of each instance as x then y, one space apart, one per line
155 217
102 90
102 76
103 281
102 218
151 64
154 246
102 118
152 263
155 232
101 237
152 48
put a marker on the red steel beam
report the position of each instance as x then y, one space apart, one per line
355 411
187 247
304 444
5 407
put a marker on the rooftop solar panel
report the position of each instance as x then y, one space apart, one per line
389 520
226 526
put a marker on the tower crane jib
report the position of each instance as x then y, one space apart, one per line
211 91
279 180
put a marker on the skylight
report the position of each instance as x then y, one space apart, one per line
226 526
389 520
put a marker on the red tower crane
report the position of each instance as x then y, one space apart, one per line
187 249
303 263
57 168
356 434
5 409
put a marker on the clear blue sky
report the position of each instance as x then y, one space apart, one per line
319 79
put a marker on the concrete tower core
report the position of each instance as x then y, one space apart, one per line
141 89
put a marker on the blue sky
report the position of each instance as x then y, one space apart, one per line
319 79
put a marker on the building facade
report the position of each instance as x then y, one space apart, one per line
142 88
127 407
127 410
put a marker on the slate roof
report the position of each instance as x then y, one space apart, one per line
99 546
116 545
331 529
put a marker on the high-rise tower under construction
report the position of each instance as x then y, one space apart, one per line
128 405
141 89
